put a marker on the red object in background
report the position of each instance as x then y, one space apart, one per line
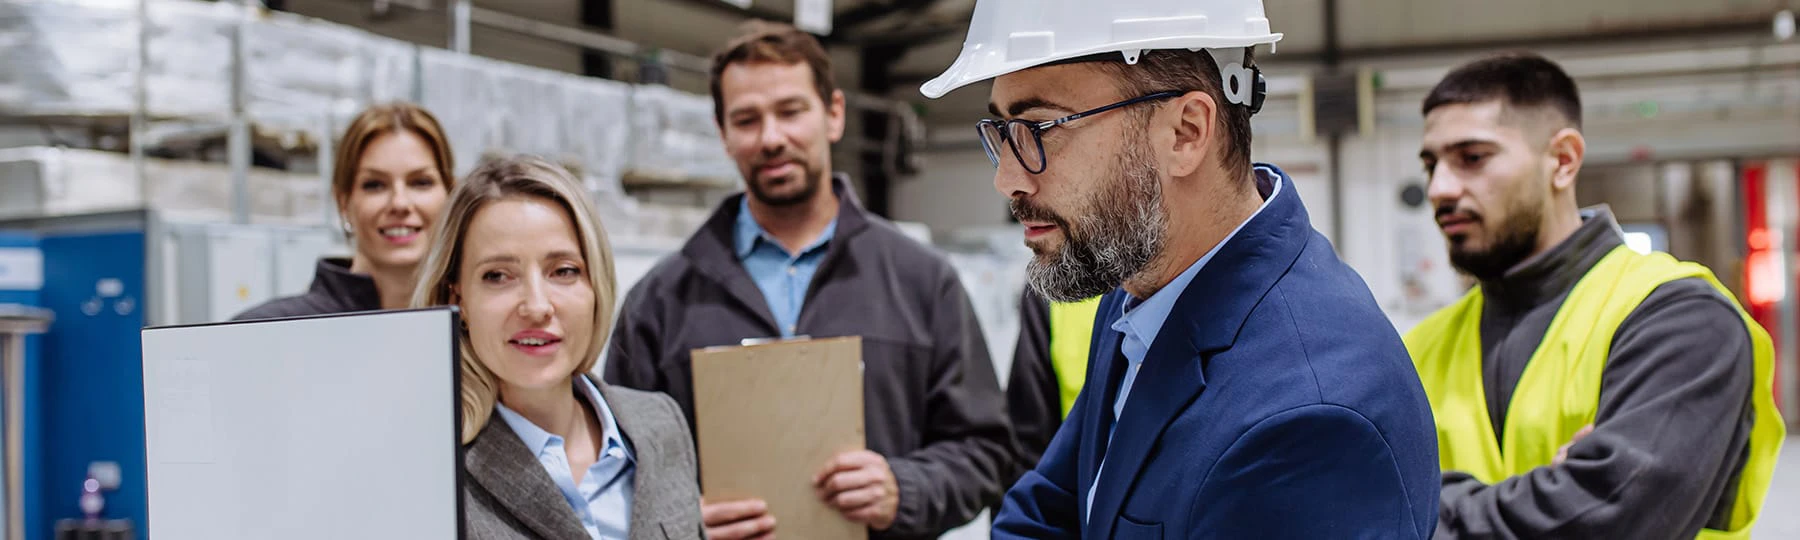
1763 282
1640 153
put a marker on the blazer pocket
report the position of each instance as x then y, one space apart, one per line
1128 529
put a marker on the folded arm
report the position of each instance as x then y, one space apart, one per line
1673 415
1033 397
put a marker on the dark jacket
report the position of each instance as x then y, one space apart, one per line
1674 421
932 404
334 290
508 495
1033 396
1276 402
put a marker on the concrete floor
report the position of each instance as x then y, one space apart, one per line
1780 518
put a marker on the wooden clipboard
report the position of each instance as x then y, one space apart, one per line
769 416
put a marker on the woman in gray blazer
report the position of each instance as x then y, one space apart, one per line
552 452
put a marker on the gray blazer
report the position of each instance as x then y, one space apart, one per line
507 494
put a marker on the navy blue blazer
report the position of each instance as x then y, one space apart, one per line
1276 402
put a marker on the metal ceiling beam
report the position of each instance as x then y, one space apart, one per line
1334 142
855 16
719 6
1741 60
1333 49
597 15
908 38
584 38
873 10
878 173
1738 27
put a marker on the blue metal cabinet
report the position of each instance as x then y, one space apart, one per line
106 276
92 375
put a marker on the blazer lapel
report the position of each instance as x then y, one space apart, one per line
500 463
647 475
1107 370
1206 319
1167 382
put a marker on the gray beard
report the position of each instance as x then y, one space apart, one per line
1125 228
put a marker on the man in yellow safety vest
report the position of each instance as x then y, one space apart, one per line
1581 389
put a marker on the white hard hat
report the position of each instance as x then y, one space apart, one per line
1012 35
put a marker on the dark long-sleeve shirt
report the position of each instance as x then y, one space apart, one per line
1033 395
1673 425
335 289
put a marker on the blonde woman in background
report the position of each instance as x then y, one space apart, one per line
391 179
552 452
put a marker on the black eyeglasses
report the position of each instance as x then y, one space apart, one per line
1015 130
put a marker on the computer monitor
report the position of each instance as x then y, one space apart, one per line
338 426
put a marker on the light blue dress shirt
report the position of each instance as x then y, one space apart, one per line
783 277
603 500
1141 321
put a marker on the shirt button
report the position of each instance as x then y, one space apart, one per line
615 452
793 271
790 329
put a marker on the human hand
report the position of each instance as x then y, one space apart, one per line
746 519
861 486
1563 453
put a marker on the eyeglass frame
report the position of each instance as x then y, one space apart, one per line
1037 129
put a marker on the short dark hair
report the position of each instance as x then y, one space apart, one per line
1518 79
764 41
1177 69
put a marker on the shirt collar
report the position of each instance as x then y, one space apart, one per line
1144 320
1543 277
748 233
537 440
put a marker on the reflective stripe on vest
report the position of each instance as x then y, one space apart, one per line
1071 328
1559 392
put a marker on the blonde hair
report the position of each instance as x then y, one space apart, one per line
496 180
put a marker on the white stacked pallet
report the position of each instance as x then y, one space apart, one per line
42 181
304 79
76 58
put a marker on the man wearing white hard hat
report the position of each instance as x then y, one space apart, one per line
1243 381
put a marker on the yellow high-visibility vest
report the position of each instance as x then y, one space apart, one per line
1559 392
1071 329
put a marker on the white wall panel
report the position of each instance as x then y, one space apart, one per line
1306 164
955 191
1388 23
1397 249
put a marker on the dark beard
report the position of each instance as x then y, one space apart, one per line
811 181
1124 229
1514 241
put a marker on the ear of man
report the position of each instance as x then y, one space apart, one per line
1194 119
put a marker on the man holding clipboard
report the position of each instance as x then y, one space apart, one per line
797 255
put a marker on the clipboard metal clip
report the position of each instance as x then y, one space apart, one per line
746 342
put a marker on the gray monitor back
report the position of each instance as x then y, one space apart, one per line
340 426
